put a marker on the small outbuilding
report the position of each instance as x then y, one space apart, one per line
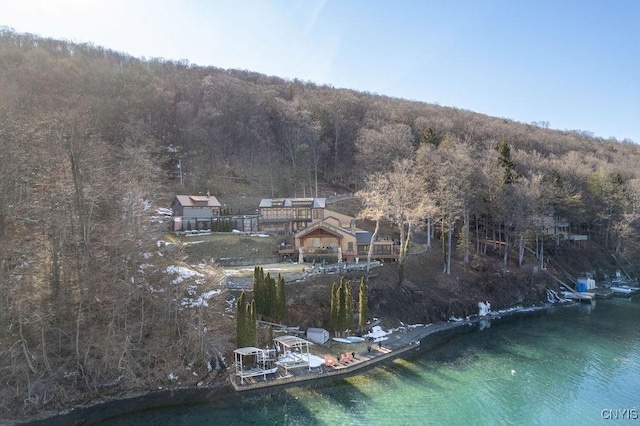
318 335
194 212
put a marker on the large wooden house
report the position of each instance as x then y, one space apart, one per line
325 241
289 215
335 237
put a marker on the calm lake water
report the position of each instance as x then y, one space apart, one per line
578 365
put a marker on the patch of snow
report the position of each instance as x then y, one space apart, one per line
231 303
147 255
172 377
410 326
200 301
183 273
147 205
163 211
378 334
505 311
456 319
250 234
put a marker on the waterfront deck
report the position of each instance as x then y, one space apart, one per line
368 354
359 361
581 297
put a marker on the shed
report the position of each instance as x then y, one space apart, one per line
318 335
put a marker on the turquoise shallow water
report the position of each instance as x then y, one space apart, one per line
578 365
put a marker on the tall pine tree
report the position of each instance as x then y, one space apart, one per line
341 306
333 315
258 289
509 174
280 300
241 323
246 329
348 306
341 316
251 326
363 309
270 296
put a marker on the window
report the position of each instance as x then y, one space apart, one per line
382 249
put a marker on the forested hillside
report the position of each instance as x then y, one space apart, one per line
90 138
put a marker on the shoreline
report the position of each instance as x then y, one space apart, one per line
429 336
414 339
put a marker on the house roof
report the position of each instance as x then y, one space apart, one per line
193 200
334 230
363 237
314 203
292 341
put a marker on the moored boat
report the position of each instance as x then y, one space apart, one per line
623 290
350 339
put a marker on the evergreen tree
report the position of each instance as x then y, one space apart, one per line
270 337
333 315
348 306
258 290
241 322
341 306
363 301
341 316
280 300
269 296
429 137
507 164
251 326
263 290
246 330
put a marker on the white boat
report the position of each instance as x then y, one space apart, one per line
624 290
350 339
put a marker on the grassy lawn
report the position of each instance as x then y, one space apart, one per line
217 246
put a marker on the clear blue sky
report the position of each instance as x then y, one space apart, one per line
573 63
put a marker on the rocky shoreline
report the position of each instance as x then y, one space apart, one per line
399 343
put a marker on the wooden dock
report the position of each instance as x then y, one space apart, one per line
581 297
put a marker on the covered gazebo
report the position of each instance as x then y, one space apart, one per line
264 362
294 352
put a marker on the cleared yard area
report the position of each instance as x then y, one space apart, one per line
226 245
287 270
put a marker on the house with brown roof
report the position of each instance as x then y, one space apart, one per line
326 240
194 212
319 233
